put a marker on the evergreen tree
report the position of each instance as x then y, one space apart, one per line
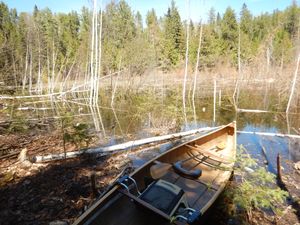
139 22
212 19
292 20
282 53
43 38
153 29
153 33
229 33
174 36
246 20
246 35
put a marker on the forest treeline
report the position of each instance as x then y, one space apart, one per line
36 47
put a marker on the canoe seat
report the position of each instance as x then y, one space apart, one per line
164 196
193 174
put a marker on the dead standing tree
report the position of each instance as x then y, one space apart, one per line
186 62
95 67
293 85
196 70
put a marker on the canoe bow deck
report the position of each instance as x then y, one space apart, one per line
120 207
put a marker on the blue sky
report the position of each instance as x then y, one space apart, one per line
198 8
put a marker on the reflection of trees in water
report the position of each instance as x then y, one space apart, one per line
129 112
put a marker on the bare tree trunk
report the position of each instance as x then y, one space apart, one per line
14 68
67 77
86 74
38 88
53 67
100 56
96 56
196 70
186 63
94 116
101 121
25 72
92 54
293 85
220 97
48 72
236 89
215 97
30 72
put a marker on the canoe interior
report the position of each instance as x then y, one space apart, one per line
115 208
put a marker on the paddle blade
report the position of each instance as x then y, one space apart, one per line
159 170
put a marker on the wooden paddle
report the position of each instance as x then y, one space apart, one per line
159 169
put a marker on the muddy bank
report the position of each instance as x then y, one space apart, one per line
41 193
38 193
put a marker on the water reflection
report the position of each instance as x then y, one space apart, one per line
140 114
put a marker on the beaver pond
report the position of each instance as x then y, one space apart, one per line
134 115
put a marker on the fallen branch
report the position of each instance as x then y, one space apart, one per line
293 85
33 108
118 147
263 150
253 111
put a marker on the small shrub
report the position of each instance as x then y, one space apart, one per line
258 188
19 124
77 134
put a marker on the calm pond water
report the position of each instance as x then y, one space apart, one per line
152 112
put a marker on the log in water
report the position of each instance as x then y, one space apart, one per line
118 147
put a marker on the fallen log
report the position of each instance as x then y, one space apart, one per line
269 134
118 147
253 110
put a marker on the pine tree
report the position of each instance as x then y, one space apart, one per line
139 23
246 35
152 26
229 34
292 20
212 16
246 20
174 46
